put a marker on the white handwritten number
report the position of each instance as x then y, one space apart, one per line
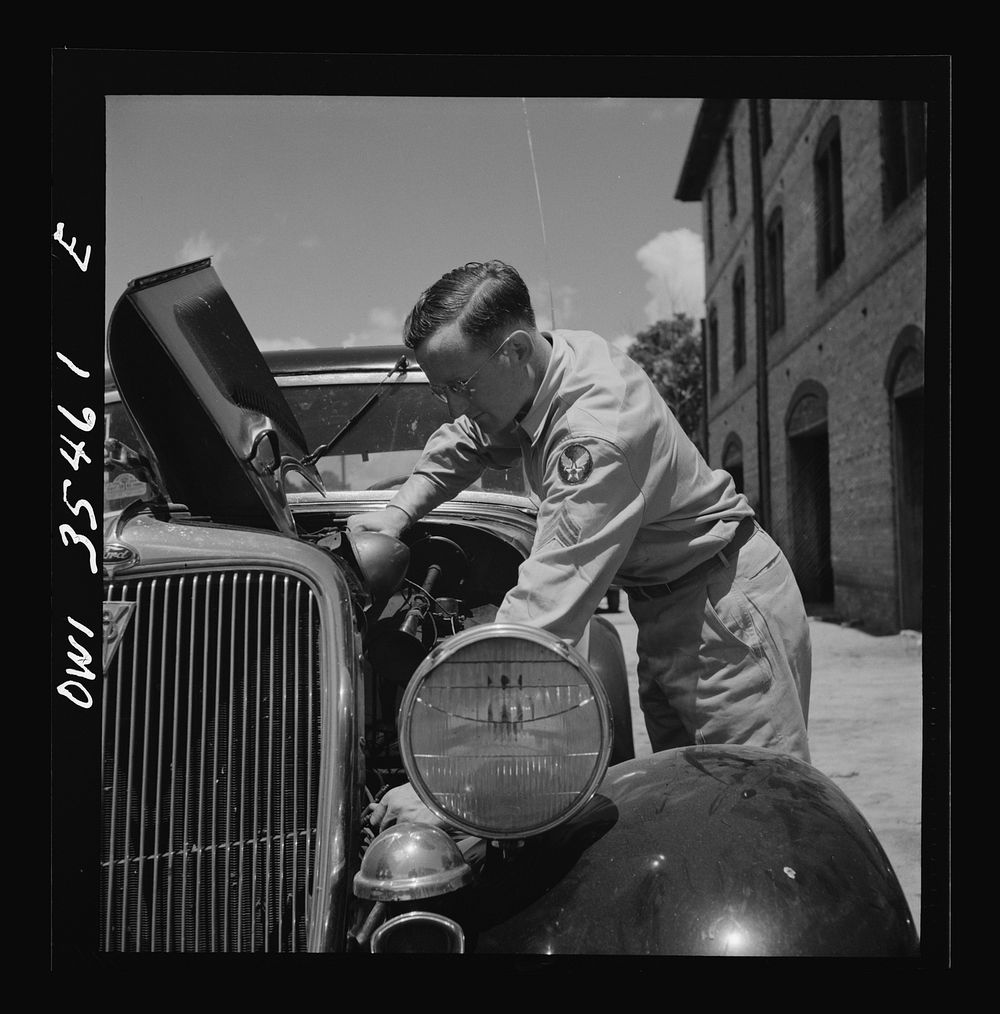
78 452
67 530
76 369
73 690
86 424
80 505
58 236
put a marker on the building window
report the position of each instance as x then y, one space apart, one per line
904 150
829 200
774 247
905 370
739 320
709 228
731 175
713 351
764 123
732 461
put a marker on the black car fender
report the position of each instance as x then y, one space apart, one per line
710 850
607 658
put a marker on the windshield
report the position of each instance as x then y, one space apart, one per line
124 488
379 452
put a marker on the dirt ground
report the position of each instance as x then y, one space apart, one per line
865 730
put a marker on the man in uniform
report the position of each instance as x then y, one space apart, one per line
624 496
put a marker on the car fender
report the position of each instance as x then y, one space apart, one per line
607 659
714 850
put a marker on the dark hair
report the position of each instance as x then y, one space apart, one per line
484 298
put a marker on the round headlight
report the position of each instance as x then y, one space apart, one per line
505 731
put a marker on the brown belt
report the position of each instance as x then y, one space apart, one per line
740 538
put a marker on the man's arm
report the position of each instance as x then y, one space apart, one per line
592 510
453 458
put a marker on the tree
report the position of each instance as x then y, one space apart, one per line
670 353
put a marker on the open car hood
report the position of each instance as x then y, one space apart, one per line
213 420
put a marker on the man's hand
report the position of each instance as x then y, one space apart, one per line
481 614
399 806
390 520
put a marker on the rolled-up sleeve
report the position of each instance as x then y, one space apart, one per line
455 455
591 511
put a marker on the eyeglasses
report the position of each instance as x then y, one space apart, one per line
461 388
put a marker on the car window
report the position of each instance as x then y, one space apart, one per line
383 446
124 488
381 449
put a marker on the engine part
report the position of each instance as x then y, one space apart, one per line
399 644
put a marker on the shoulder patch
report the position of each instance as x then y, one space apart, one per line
575 464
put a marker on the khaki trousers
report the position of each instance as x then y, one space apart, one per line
726 658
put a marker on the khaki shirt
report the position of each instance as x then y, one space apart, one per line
623 494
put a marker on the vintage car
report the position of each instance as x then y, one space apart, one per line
268 675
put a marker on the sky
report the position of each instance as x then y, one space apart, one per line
327 216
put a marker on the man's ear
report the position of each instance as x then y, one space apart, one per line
521 345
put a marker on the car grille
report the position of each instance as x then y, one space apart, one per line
211 751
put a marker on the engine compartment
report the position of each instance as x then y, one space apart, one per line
451 576
490 563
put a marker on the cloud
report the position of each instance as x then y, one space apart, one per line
196 248
623 341
276 344
309 243
675 262
385 328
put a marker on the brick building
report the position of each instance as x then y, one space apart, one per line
815 226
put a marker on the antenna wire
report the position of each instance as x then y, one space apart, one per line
541 217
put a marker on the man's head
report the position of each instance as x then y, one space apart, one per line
483 299
474 335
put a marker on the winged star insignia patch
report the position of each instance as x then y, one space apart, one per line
575 464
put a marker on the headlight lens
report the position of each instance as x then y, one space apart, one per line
505 731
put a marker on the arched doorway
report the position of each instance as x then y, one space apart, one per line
732 461
905 385
809 492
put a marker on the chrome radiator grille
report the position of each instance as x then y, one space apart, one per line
210 737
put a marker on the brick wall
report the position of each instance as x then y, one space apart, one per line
837 334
